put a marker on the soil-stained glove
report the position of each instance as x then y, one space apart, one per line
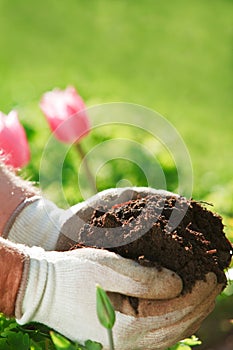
59 290
39 222
158 324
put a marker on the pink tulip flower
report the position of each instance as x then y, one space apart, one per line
14 146
66 115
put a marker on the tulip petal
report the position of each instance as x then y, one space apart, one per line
66 115
13 141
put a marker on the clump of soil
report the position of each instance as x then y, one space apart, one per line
171 231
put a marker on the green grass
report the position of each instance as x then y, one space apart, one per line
174 57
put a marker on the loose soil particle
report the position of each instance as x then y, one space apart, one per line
172 232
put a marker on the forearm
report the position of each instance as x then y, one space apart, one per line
13 191
11 266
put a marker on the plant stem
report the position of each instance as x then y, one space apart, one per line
86 166
110 338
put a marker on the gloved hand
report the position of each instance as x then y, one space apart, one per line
59 290
160 322
39 222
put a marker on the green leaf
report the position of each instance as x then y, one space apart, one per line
180 346
3 344
186 344
61 342
92 345
6 322
104 308
35 346
193 341
18 341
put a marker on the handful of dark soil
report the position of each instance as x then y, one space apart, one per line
160 231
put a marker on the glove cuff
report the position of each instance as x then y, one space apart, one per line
35 222
13 217
33 284
22 289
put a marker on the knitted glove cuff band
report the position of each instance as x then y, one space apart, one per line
36 222
16 213
22 288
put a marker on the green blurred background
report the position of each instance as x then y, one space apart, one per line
172 56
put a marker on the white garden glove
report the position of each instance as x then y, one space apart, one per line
59 289
39 222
